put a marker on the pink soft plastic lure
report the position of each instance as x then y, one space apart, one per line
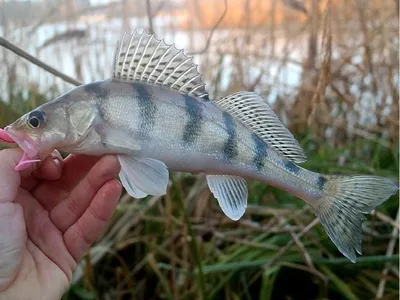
25 161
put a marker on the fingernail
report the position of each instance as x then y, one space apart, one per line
57 162
55 154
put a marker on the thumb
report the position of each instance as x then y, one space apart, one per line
12 226
9 178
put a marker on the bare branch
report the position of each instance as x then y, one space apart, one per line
291 242
325 73
389 252
296 5
53 10
150 16
158 9
216 25
8 45
386 219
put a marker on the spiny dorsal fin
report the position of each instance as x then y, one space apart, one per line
250 109
141 57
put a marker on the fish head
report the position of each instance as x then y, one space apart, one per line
61 124
39 131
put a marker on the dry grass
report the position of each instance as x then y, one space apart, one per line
344 110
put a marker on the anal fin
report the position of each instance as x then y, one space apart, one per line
231 193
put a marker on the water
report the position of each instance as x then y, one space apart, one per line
94 54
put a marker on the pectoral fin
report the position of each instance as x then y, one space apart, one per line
130 186
143 176
231 193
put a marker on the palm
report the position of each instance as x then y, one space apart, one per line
54 218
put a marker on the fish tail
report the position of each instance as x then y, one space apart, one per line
345 201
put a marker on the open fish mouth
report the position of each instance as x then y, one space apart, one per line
31 154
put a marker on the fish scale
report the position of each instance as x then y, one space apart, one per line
156 116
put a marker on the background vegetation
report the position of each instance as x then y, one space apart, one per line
330 69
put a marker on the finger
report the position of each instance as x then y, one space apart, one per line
9 178
71 209
49 169
75 167
91 224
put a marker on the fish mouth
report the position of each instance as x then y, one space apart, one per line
31 153
25 143
5 138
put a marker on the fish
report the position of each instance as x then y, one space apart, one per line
155 114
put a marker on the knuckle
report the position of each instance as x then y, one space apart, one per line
95 212
82 234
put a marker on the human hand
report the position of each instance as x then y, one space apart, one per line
48 219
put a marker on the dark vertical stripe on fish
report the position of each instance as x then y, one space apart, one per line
291 166
231 145
100 111
147 108
193 126
260 151
321 182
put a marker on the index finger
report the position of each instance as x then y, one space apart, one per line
49 169
75 168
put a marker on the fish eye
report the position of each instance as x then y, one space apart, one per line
36 118
34 122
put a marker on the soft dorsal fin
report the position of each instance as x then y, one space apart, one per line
250 109
141 57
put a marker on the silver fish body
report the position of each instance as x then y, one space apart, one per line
187 135
156 116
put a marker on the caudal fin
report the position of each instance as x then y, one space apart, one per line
346 200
